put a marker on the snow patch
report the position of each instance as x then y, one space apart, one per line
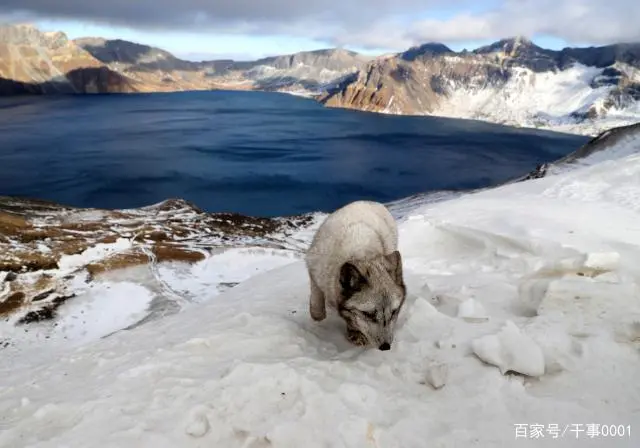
205 279
539 100
95 253
101 310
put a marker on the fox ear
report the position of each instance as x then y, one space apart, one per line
351 280
394 266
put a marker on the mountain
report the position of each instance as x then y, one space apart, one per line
512 81
306 72
519 299
426 50
36 62
32 61
127 54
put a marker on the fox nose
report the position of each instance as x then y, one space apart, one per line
384 346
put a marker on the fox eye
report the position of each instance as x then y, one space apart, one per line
370 315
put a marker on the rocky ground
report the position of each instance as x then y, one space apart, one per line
44 247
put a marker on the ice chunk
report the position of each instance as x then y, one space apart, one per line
511 350
197 424
472 311
437 374
607 261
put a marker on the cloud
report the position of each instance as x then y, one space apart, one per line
594 21
243 15
203 56
385 24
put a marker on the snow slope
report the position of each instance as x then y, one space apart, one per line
612 144
545 100
538 277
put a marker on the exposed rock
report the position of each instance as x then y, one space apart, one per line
25 260
11 303
41 63
496 83
520 52
118 261
411 87
38 237
426 50
133 56
539 172
166 252
47 312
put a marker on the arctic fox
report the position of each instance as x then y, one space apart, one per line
355 268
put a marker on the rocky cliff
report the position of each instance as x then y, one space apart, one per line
307 72
42 63
511 81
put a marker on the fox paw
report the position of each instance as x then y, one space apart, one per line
317 313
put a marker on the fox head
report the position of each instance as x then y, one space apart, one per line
372 294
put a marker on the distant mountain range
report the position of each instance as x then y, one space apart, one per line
32 61
512 81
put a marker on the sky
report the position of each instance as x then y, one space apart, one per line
249 29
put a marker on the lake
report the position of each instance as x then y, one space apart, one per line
254 153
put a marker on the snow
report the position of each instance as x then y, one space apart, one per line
627 142
202 281
472 311
543 100
510 350
548 270
102 310
95 253
89 215
124 298
276 78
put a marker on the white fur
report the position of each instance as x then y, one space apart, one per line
361 229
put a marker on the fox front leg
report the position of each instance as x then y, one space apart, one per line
317 307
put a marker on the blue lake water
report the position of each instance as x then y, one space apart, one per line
255 153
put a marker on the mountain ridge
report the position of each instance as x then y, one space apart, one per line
511 81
